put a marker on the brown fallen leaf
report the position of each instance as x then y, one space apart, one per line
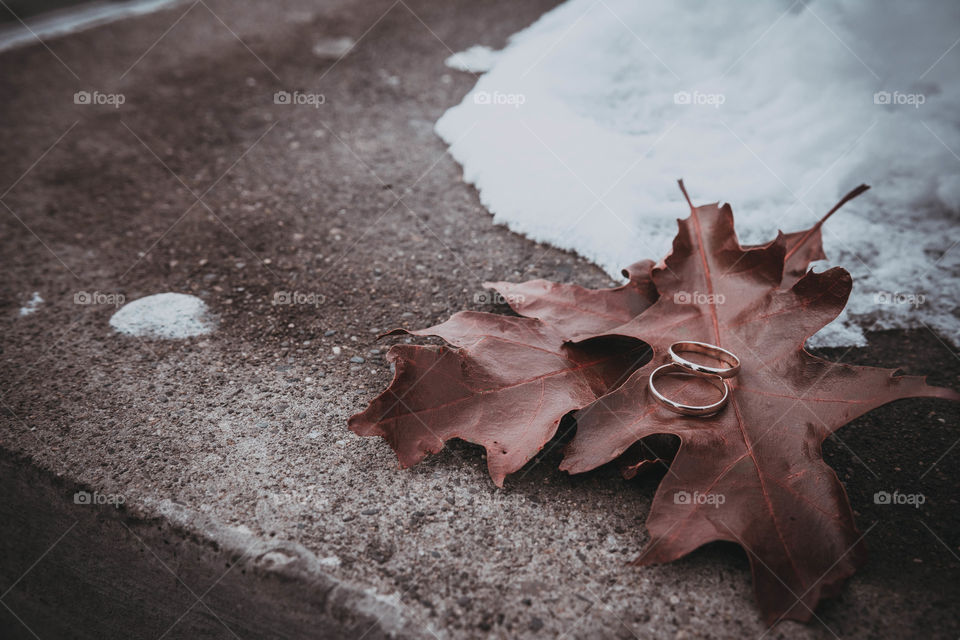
504 383
752 474
576 311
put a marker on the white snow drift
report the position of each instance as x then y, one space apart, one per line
578 132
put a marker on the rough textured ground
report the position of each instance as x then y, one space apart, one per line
356 204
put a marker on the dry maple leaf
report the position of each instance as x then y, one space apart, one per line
579 312
504 383
576 311
752 474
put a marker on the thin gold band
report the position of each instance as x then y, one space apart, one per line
687 409
712 350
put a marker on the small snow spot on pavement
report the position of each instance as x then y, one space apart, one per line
31 304
476 59
333 47
164 315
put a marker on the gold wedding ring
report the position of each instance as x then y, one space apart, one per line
689 409
683 367
711 350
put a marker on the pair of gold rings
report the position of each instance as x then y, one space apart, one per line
679 365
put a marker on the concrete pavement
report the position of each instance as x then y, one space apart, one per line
248 508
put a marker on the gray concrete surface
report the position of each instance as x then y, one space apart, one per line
160 570
231 451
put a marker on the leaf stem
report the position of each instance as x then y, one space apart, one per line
684 190
844 200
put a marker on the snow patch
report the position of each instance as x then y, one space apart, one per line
32 304
476 59
577 135
333 47
164 315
